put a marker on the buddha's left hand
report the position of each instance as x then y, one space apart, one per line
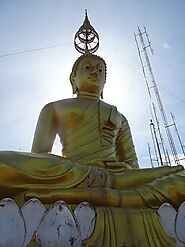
114 166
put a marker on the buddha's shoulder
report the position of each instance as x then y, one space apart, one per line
112 111
61 103
60 106
110 107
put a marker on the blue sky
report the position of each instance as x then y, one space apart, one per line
30 80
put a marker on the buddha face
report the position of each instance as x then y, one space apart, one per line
90 76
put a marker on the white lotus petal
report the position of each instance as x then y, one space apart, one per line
58 228
167 216
33 212
12 229
180 223
86 217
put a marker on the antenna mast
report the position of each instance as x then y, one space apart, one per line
161 143
150 155
146 67
156 143
178 135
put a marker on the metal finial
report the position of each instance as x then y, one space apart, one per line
86 13
86 39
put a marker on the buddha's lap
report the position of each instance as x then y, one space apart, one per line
74 182
49 165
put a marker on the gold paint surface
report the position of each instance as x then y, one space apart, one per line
98 165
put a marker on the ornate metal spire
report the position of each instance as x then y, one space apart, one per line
86 39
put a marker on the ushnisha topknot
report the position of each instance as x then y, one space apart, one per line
86 42
75 65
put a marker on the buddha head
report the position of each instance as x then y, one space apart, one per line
88 75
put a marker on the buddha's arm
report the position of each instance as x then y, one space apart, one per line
45 132
125 147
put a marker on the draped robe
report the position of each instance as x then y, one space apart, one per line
98 165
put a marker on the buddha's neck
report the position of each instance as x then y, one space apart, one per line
88 96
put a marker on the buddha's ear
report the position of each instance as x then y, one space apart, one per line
101 95
74 88
72 80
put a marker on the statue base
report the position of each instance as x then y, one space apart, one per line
34 225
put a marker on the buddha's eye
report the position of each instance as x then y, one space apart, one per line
87 66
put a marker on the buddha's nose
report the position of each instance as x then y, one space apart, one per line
94 72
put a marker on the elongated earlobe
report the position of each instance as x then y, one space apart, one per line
101 95
74 88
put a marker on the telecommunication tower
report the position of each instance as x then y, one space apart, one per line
161 140
178 135
143 44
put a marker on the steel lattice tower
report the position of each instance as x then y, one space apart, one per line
142 45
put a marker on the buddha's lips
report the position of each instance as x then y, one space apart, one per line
93 78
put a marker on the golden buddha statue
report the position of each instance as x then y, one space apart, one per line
99 165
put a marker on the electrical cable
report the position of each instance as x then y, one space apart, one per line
115 57
34 50
142 76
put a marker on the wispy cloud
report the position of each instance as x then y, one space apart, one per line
166 46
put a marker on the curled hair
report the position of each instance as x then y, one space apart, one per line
75 65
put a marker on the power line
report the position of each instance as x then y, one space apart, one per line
141 75
34 50
171 94
163 59
69 43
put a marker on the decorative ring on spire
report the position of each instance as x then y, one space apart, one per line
86 39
